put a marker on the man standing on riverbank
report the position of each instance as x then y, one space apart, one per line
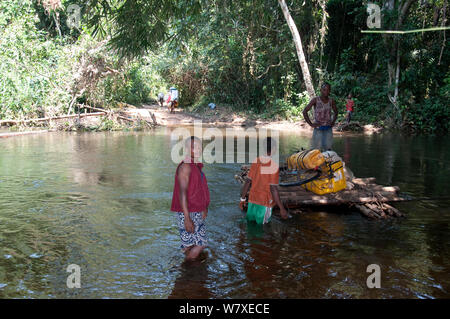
323 123
190 200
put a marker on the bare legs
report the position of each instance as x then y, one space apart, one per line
193 252
349 117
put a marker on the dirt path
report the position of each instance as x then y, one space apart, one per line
165 118
217 118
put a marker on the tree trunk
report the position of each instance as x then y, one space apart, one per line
395 74
444 21
323 29
394 61
299 47
56 19
338 57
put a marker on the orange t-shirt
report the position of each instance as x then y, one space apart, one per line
263 173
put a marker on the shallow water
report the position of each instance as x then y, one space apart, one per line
101 201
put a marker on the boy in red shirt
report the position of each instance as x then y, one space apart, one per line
349 106
262 180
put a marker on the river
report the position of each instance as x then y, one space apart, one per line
101 201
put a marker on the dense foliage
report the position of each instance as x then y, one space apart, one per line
44 74
227 52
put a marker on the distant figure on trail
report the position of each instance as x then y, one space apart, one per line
190 200
173 99
349 106
323 123
161 99
262 180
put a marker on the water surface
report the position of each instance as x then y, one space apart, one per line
101 200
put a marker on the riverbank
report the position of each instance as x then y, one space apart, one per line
223 117
138 119
220 117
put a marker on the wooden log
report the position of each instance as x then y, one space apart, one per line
366 212
389 189
324 201
360 187
125 118
376 213
105 111
380 190
388 212
15 122
5 122
345 195
364 181
83 106
123 105
372 210
118 116
376 188
153 117
392 211
375 208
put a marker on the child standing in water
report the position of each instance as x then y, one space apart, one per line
262 180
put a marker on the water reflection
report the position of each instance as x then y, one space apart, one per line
192 281
261 262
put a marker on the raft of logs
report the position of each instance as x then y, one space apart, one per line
370 199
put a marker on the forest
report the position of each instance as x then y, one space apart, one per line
56 55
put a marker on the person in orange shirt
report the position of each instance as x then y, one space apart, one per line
262 181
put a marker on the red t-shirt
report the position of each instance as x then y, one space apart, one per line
197 192
350 104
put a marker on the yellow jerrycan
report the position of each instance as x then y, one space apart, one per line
308 159
333 180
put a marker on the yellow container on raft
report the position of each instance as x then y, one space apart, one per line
309 159
332 182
